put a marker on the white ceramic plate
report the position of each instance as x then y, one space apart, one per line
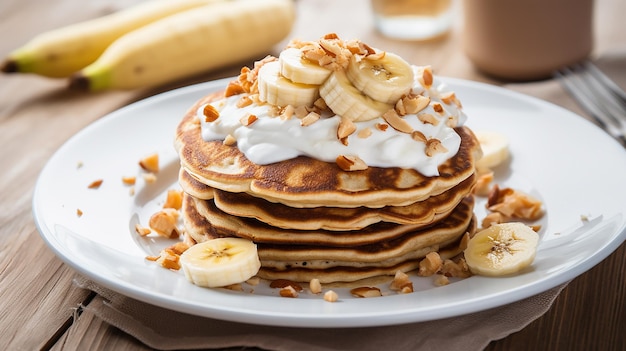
570 164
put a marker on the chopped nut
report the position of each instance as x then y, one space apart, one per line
95 184
129 180
152 258
331 296
283 283
450 98
309 119
425 76
493 218
211 114
149 178
288 291
441 280
244 101
234 88
458 269
143 231
430 265
419 136
315 286
346 128
366 291
427 118
174 199
320 104
169 260
364 133
248 119
413 104
382 126
164 223
438 108
514 203
434 146
150 163
229 140
301 111
287 112
350 163
179 248
401 282
396 122
79 212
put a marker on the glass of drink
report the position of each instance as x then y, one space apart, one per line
412 19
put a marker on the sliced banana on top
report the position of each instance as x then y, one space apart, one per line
220 262
297 69
384 79
347 101
501 249
280 91
495 148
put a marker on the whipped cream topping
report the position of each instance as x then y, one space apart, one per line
272 139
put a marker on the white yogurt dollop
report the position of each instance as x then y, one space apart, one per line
271 139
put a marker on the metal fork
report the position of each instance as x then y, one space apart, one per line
597 95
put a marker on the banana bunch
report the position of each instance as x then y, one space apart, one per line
368 87
156 42
501 249
220 262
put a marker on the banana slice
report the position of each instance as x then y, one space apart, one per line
501 249
280 91
495 148
347 101
220 262
300 70
385 79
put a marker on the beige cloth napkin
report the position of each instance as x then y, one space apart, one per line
164 329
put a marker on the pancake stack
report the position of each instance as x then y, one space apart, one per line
312 219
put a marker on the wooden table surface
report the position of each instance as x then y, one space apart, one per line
37 115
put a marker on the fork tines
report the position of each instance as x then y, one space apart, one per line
598 95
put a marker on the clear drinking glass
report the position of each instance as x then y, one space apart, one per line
412 19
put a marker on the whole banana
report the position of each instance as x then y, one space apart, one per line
188 43
59 53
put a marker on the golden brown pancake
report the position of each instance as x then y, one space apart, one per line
303 255
307 182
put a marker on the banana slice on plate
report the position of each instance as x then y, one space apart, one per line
347 101
495 148
501 249
300 70
220 262
384 79
277 90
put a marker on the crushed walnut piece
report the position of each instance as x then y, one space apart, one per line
142 231
430 265
79 212
229 140
288 291
315 286
131 180
514 203
401 283
164 223
309 119
350 163
248 119
434 146
150 163
425 76
95 184
345 129
174 199
396 122
366 291
331 296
